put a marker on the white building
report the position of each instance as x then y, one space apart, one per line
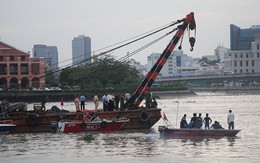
81 50
244 61
139 67
176 65
220 52
205 70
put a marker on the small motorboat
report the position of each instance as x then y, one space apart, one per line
167 132
87 121
6 126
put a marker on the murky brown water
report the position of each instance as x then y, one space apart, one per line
147 146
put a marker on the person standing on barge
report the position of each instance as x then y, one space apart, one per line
77 101
43 107
82 102
96 102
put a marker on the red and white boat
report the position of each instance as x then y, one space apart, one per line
87 121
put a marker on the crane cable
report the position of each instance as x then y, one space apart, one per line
113 49
134 52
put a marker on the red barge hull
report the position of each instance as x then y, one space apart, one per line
31 122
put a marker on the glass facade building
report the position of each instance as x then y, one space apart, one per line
50 53
241 39
81 50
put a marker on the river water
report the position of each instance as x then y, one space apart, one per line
147 146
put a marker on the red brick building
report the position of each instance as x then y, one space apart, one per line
18 70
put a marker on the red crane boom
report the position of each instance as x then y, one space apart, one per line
137 97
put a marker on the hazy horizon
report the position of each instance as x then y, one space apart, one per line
55 23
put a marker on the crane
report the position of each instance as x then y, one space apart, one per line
143 88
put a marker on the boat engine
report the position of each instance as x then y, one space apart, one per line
54 126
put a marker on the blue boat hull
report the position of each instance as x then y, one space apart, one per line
6 128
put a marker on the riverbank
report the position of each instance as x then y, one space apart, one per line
38 96
228 90
55 96
168 94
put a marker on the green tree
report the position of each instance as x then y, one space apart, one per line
51 79
102 73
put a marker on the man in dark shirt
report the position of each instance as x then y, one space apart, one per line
207 120
193 120
184 123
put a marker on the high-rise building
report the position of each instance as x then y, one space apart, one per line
244 61
241 39
50 53
81 50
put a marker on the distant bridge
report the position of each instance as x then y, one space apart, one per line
212 78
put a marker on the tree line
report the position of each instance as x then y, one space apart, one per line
105 73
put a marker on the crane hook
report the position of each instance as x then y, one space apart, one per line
192 42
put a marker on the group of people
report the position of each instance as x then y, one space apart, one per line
197 121
150 101
112 101
81 100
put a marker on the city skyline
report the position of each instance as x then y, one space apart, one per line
107 23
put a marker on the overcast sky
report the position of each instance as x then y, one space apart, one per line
24 23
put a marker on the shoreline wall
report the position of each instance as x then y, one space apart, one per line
55 96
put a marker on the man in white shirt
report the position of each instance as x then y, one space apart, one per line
230 120
127 96
105 102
